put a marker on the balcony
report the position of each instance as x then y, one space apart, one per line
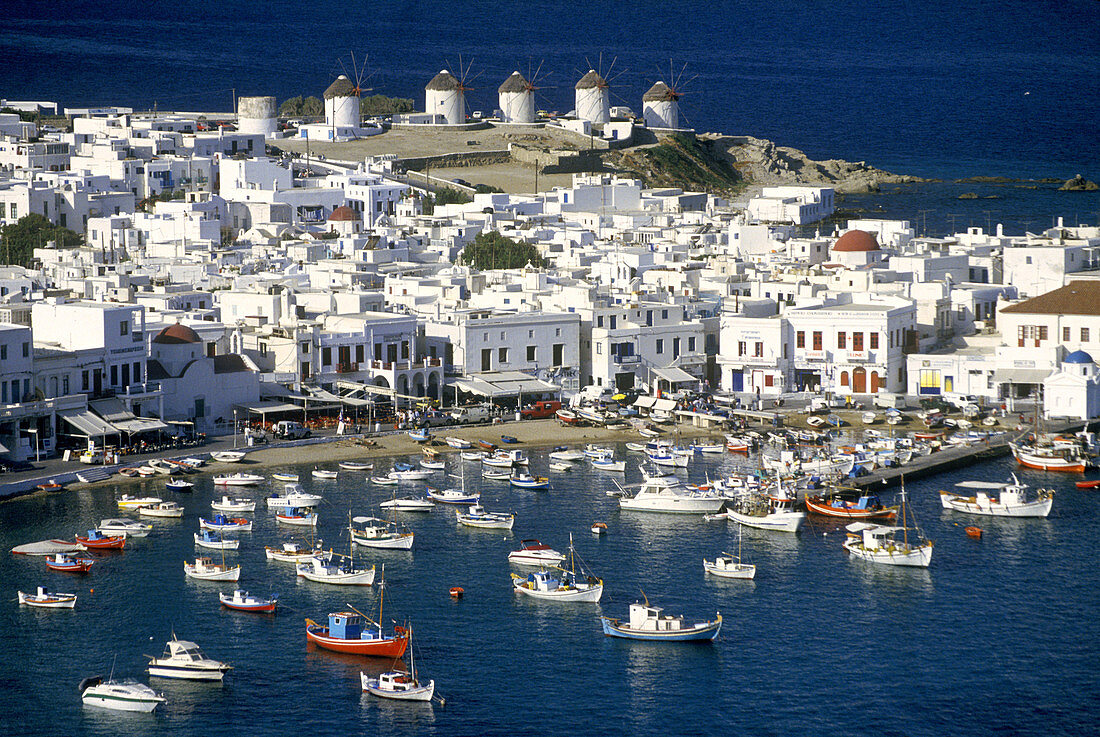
626 360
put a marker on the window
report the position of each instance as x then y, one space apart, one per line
263 348
664 314
502 335
691 344
530 354
759 349
26 350
359 353
124 327
502 355
1084 335
857 342
557 332
817 340
874 341
305 370
83 381
800 339
1029 259
65 385
4 353
1065 335
404 350
613 322
114 375
660 345
840 341
530 333
599 348
326 356
137 372
741 347
769 380
14 211
305 349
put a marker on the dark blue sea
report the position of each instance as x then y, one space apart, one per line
935 89
999 636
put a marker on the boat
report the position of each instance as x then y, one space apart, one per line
975 532
400 685
409 504
47 600
1091 484
124 526
574 583
374 532
534 553
772 512
129 472
527 481
238 479
432 464
476 516
347 633
228 456
183 659
591 415
881 543
96 540
869 418
146 471
472 455
647 622
119 695
457 592
193 463
606 464
420 435
649 432
509 439
567 417
384 480
458 443
159 466
411 474
335 569
126 501
597 451
242 601
561 453
867 506
293 496
1066 459
204 569
206 539
233 504
355 466
320 473
506 459
285 477
998 500
599 528
729 566
50 486
486 445
178 485
164 509
496 474
69 563
560 466
302 517
222 523
48 547
708 447
294 552
453 496
665 494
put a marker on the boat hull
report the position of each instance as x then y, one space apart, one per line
187 673
818 506
383 647
415 693
919 557
783 522
589 595
731 570
266 606
1038 508
118 702
48 601
702 632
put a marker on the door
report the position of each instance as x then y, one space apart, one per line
737 381
949 383
97 381
874 382
486 359
859 380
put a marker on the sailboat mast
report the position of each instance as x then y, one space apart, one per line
904 521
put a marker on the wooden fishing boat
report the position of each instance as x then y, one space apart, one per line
206 539
303 517
128 501
228 456
47 600
348 632
867 506
399 684
50 486
96 540
233 504
286 477
163 509
69 563
649 623
242 601
1091 484
458 443
335 569
204 569
320 473
222 523
998 499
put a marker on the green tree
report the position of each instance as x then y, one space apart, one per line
18 240
312 106
291 107
382 105
491 250
307 106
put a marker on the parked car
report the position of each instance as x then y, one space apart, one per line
476 413
289 430
541 410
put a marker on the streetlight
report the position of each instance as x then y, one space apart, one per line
34 431
234 427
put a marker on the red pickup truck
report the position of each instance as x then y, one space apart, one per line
541 410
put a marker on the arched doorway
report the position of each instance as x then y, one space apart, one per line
844 378
433 385
403 385
874 382
859 380
418 381
382 382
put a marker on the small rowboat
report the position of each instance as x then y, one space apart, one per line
289 477
356 466
486 445
51 485
96 540
69 563
433 465
383 480
226 524
975 532
319 473
421 435
599 528
130 472
48 600
228 456
1090 484
457 592
242 601
509 439
458 443
178 485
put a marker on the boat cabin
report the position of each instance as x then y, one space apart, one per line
873 537
345 625
543 581
183 650
395 680
646 617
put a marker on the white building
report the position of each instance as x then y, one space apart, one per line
257 115
1074 391
791 204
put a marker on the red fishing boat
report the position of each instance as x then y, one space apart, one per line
1092 484
96 540
866 507
347 633
69 563
568 417
242 601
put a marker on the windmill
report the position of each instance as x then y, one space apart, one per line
446 94
661 103
342 98
517 97
593 92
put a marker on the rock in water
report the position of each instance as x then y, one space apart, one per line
1079 184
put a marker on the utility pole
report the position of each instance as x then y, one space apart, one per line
233 110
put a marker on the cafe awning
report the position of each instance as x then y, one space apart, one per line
674 375
115 412
496 384
645 402
88 424
1020 376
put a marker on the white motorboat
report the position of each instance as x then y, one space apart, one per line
238 479
47 600
355 466
124 526
204 569
183 659
729 566
575 583
293 496
384 480
207 539
506 459
409 504
119 695
227 456
289 478
373 532
476 516
534 553
560 466
714 448
667 458
458 443
170 510
903 545
472 455
335 569
412 474
399 684
304 517
320 473
567 455
998 500
178 485
294 552
772 512
127 501
233 504
666 494
606 464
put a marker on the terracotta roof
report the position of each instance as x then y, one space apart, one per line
342 87
590 80
174 334
660 92
443 81
515 83
1076 298
855 240
343 213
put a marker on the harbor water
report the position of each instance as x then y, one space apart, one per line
998 635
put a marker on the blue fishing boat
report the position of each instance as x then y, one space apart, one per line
420 435
510 440
524 480
647 623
